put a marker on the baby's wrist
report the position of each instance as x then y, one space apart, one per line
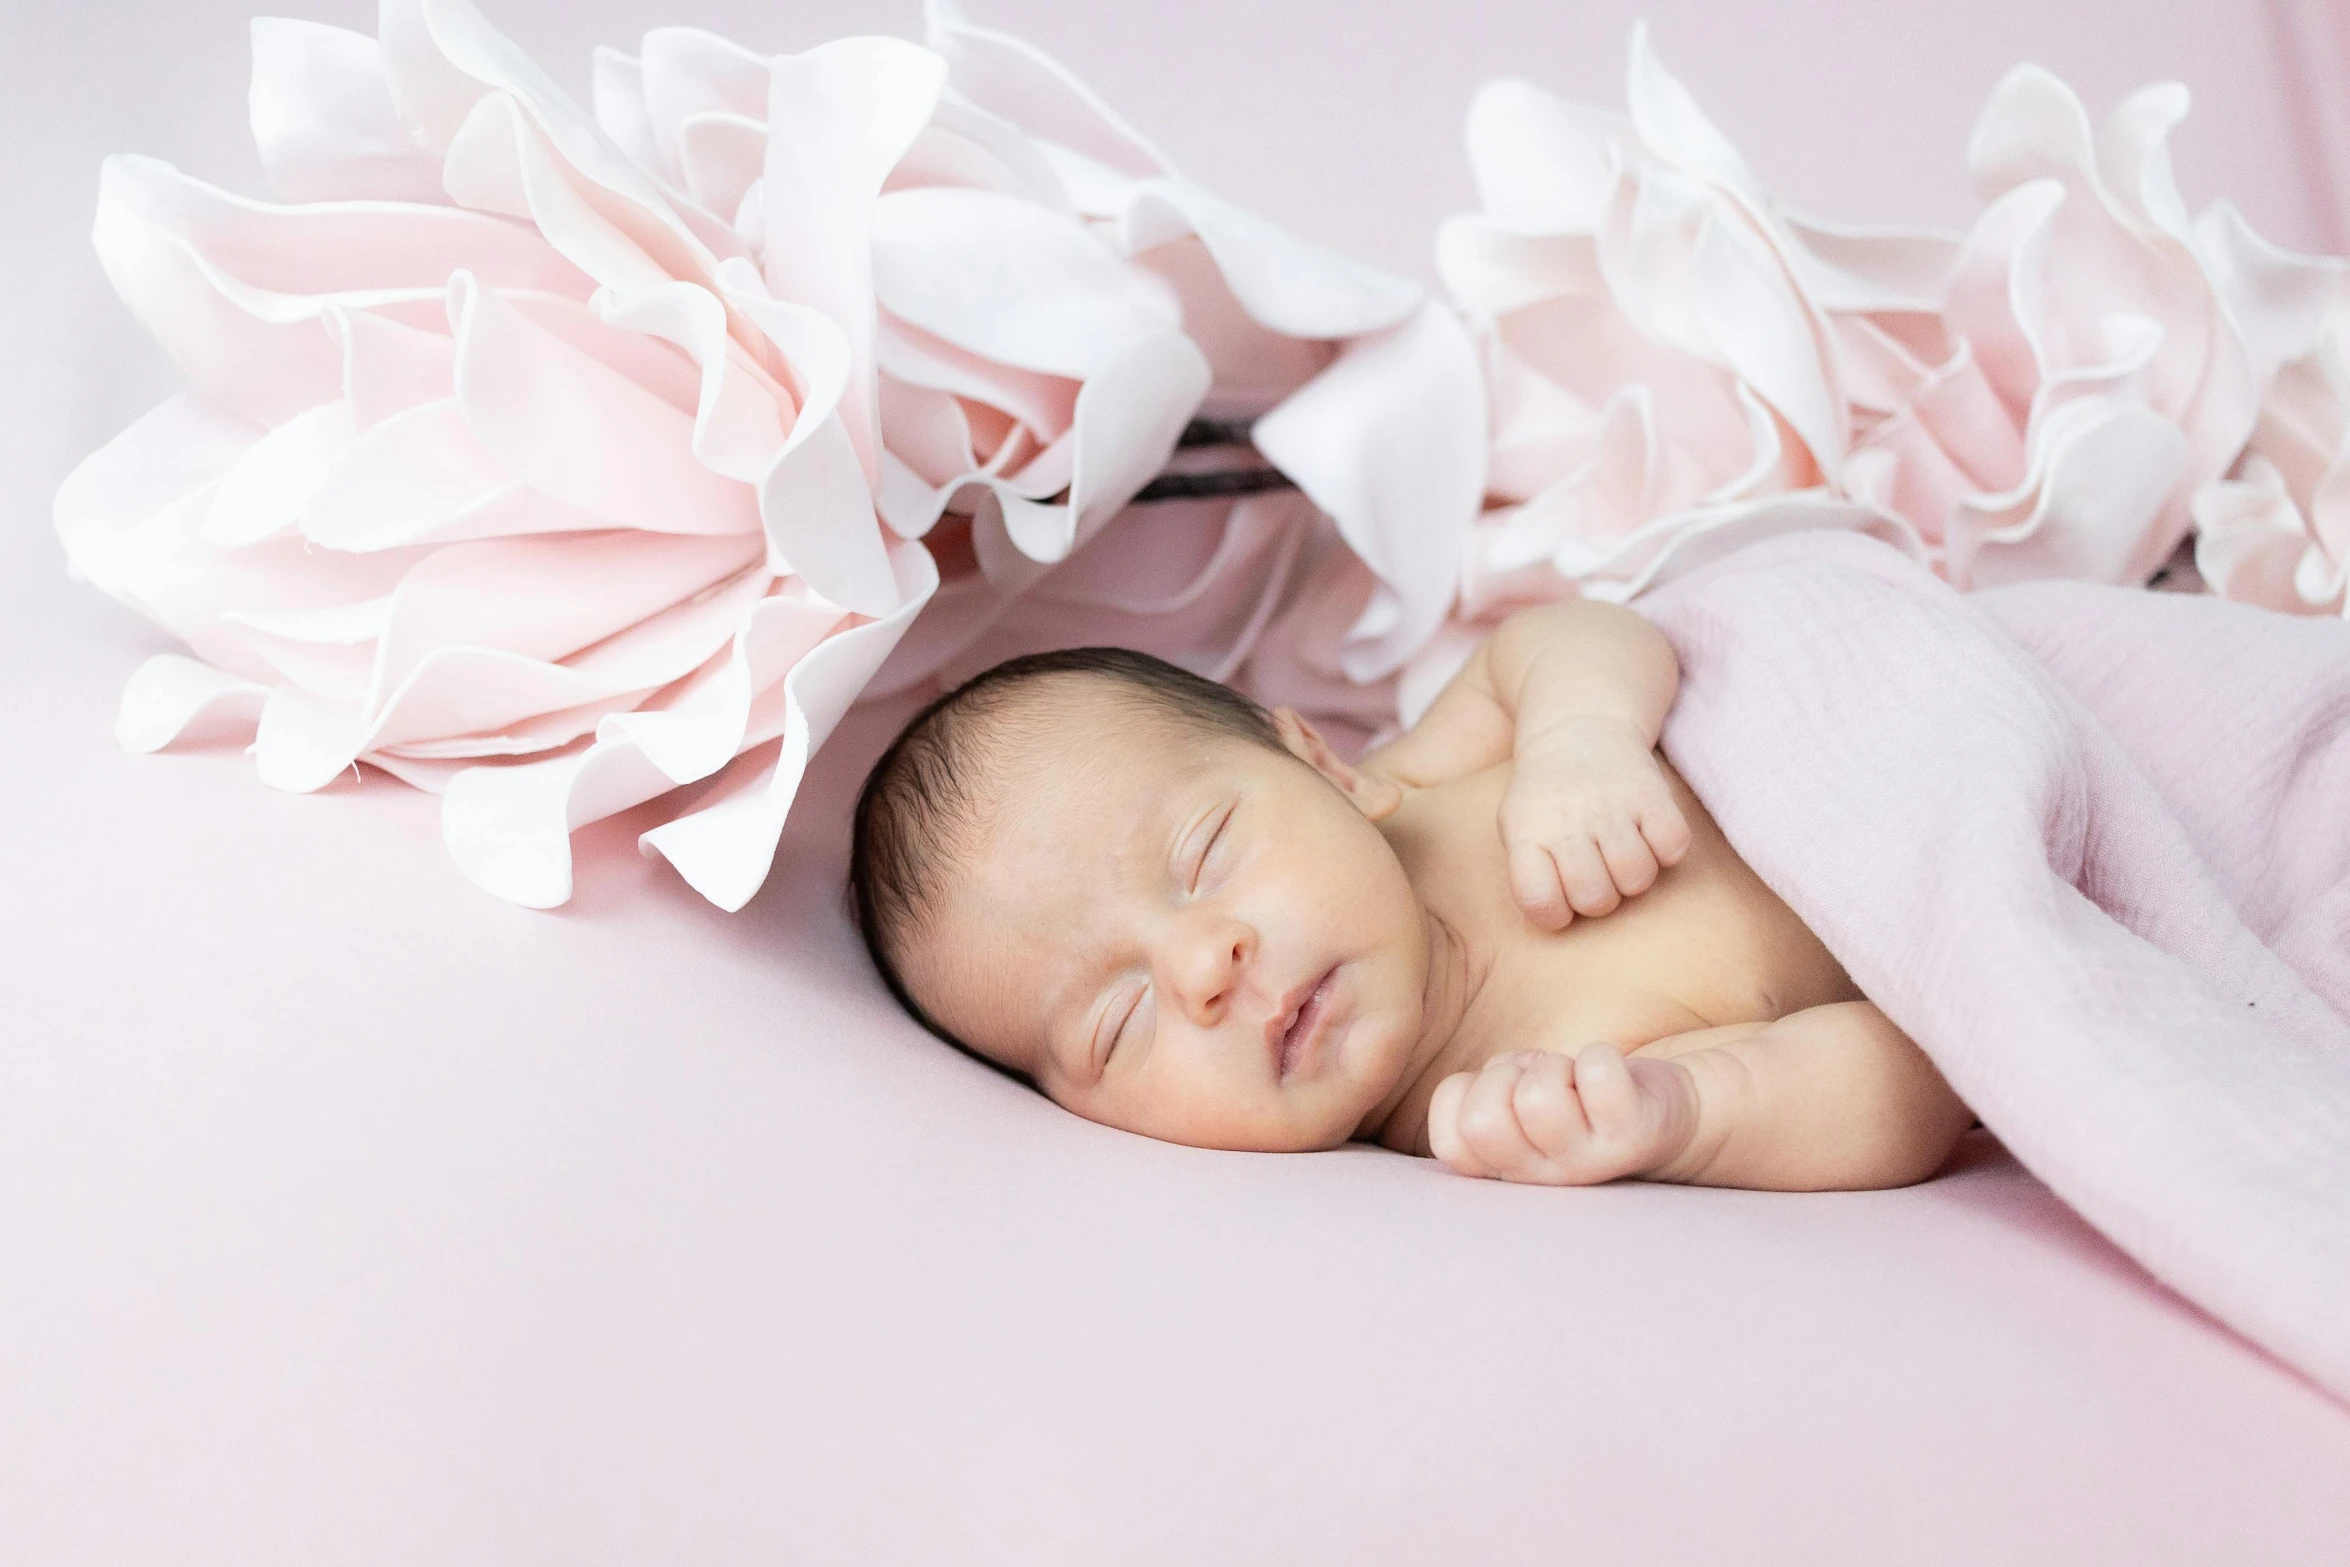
1581 730
1697 1123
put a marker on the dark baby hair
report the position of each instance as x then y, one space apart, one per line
924 794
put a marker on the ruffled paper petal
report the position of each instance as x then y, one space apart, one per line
2253 545
509 827
1285 285
691 77
1014 79
1390 441
1011 281
838 118
171 698
235 290
2104 467
571 428
324 122
725 847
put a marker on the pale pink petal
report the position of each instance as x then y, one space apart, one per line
323 119
180 446
1994 297
432 93
929 435
725 849
826 527
741 416
170 698
1254 365
814 500
1390 441
838 118
305 742
966 145
1044 403
2253 545
572 428
234 289
688 73
1011 281
1770 334
1285 284
272 484
1128 417
390 366
1013 78
616 96
543 598
1543 165
2102 471
509 826
714 718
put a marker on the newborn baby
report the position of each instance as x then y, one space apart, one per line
1513 938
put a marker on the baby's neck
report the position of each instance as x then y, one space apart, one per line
1455 972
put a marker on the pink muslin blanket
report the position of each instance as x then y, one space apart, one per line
2090 847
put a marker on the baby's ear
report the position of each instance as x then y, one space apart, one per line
1374 794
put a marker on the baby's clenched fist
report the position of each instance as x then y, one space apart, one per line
1588 820
1557 1120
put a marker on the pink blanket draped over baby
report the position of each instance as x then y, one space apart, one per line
2090 847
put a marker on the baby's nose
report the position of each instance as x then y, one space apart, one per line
1213 958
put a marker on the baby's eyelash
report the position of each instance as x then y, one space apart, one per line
1199 868
1119 1033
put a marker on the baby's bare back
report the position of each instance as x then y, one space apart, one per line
1708 945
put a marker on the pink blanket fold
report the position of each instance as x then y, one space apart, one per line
2090 847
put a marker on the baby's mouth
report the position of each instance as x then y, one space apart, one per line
1302 1021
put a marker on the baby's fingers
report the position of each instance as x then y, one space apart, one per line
1534 881
1641 1111
1549 1109
1590 889
1610 1098
1629 862
1444 1125
1488 1122
1665 829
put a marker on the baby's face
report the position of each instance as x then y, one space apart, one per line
1195 938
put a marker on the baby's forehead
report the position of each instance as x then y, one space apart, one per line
1078 760
1074 727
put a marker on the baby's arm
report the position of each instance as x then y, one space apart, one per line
1575 694
1579 659
1829 1098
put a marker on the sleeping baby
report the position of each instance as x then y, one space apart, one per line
1512 938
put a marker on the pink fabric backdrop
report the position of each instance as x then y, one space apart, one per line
354 1215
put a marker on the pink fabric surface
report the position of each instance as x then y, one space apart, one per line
355 1215
2100 872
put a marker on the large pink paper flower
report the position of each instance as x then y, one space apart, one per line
1055 303
1677 362
1662 346
2096 359
2276 532
497 473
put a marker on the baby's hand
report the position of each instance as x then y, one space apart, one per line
1555 1120
1587 820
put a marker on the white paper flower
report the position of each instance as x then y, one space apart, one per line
2277 531
495 473
1663 347
1055 303
2096 357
